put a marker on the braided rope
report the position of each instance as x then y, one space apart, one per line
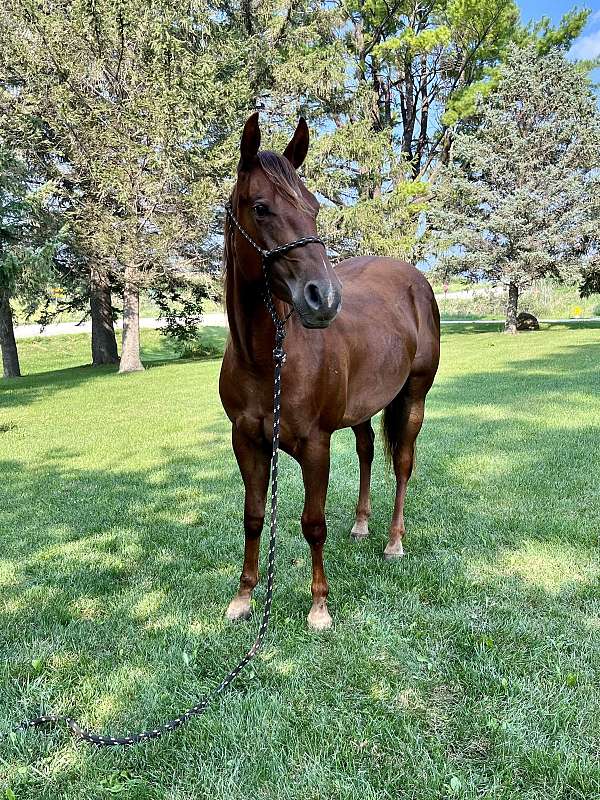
101 740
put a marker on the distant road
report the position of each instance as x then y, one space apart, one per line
219 319
467 294
60 328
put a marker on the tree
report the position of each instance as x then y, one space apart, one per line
589 245
516 202
28 240
384 84
131 102
77 269
134 112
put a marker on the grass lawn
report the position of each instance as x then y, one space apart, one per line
470 669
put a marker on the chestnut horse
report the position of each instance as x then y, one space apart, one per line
345 363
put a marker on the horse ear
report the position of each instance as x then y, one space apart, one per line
250 141
297 149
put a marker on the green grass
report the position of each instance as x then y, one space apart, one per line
469 669
454 285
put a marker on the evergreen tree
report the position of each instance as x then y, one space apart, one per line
517 201
134 111
131 100
384 86
28 241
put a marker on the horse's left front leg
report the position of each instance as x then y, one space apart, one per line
314 460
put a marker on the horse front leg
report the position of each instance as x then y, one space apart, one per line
253 460
314 461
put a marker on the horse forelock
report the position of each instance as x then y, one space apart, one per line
284 177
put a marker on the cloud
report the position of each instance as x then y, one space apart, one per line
587 47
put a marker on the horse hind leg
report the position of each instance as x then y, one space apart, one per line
402 421
365 451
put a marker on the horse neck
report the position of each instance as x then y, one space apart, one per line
251 328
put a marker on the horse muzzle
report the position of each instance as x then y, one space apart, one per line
318 303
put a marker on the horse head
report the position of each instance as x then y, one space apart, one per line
274 208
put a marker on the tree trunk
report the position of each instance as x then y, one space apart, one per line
446 152
130 348
510 325
423 120
104 342
10 355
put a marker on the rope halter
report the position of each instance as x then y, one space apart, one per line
267 257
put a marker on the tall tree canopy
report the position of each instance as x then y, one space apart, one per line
519 199
385 85
132 112
130 101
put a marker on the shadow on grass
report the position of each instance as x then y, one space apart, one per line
471 327
498 327
38 385
215 338
572 325
452 316
31 388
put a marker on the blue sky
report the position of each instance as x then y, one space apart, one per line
588 44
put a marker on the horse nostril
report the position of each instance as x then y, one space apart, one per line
313 295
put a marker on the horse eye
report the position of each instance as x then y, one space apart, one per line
261 210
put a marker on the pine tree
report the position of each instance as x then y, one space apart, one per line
516 203
131 101
28 241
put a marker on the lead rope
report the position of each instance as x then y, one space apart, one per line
135 738
279 359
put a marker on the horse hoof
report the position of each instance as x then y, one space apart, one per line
238 609
360 531
319 619
391 554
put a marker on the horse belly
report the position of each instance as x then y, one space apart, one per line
376 378
385 305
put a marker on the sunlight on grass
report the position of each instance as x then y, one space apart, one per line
88 608
8 573
202 627
148 604
548 566
284 667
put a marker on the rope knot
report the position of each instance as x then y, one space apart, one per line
279 355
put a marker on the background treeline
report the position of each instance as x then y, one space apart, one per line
119 126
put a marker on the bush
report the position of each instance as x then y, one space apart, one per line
207 343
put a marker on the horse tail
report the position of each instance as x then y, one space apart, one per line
393 424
